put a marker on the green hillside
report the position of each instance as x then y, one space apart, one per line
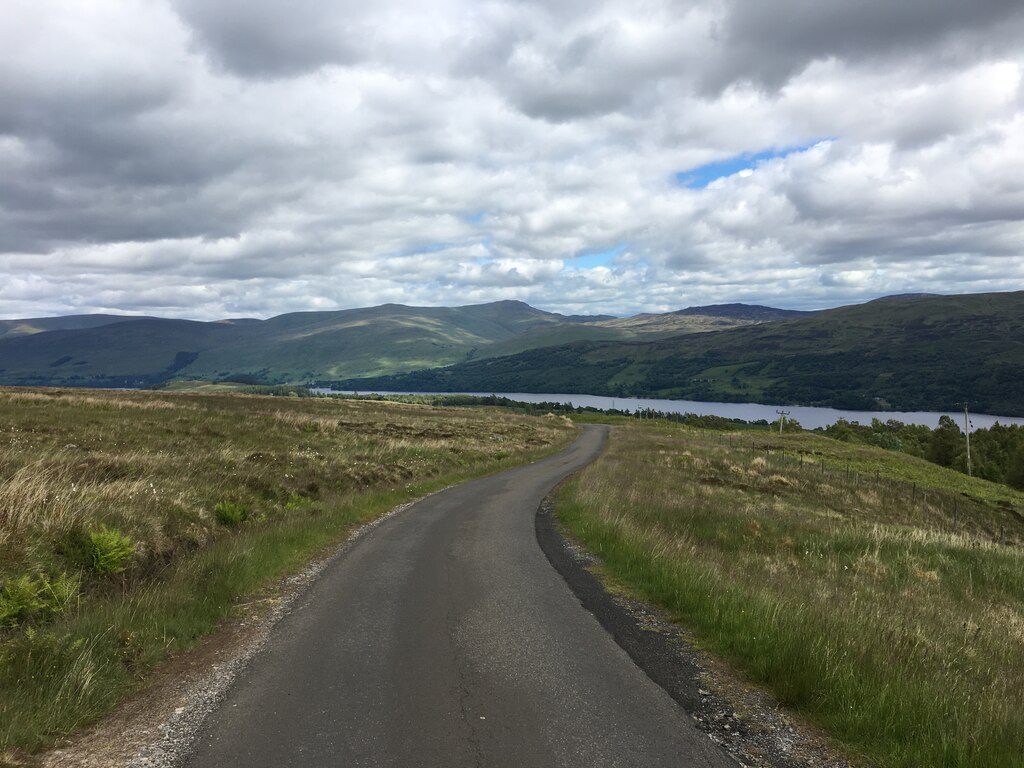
127 354
744 312
674 324
33 325
359 342
108 351
908 352
904 353
637 327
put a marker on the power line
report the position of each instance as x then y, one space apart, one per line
782 419
967 437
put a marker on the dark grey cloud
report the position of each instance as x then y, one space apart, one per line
769 43
558 65
269 38
98 187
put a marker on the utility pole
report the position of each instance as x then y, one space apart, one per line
967 436
782 419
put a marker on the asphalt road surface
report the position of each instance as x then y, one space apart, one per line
445 638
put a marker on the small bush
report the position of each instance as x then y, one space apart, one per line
229 513
111 550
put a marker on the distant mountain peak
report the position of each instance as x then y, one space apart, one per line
737 311
510 303
906 297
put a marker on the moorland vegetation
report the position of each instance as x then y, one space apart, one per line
876 593
997 452
133 523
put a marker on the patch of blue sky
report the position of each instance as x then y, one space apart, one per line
591 259
701 176
475 217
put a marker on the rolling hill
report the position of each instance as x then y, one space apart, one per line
902 352
34 325
110 350
906 353
138 353
291 347
746 312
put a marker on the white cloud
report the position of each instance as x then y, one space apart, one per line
202 160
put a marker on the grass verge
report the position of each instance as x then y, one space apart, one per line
131 523
886 605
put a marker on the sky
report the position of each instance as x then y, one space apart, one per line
199 159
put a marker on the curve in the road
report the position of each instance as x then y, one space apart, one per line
445 638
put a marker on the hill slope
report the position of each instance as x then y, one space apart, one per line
925 353
33 325
748 312
109 351
138 353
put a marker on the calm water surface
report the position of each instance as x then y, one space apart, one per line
809 418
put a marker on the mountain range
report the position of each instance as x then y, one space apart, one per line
112 350
906 352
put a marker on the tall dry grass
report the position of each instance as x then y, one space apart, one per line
111 549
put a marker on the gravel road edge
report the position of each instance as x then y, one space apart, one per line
752 728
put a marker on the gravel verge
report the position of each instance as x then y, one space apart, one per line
747 722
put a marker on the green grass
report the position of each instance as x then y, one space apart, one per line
132 523
888 608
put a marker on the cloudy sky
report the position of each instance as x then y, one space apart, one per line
213 158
